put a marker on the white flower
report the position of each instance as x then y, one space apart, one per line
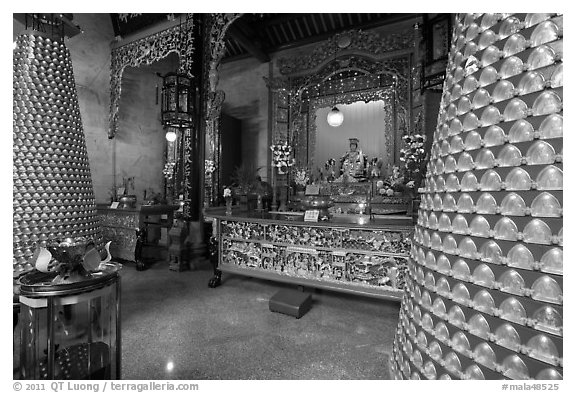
389 192
227 192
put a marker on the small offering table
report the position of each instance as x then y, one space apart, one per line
353 254
131 228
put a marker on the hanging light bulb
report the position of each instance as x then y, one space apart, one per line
170 135
335 117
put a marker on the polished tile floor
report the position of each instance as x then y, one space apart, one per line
175 327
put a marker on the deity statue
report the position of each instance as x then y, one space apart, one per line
354 161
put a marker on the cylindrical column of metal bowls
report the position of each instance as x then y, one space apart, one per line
484 295
52 186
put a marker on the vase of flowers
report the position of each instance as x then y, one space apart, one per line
245 181
301 179
127 199
414 158
228 198
282 157
330 170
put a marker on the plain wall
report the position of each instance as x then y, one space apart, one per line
246 99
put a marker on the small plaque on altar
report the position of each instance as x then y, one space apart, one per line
311 215
114 205
312 189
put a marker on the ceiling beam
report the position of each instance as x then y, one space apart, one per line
252 45
350 21
43 22
331 20
306 25
376 22
342 24
387 20
283 30
321 16
277 19
317 30
277 37
294 36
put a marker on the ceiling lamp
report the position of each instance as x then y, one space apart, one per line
335 117
171 135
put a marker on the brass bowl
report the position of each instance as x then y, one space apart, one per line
317 202
127 201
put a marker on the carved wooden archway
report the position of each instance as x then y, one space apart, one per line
177 39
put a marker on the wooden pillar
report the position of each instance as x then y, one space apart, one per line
193 160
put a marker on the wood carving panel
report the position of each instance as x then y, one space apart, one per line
368 42
120 228
364 258
178 39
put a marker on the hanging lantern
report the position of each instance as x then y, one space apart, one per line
177 100
335 117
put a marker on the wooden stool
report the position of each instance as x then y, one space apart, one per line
291 302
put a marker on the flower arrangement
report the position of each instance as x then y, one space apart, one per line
168 170
393 183
330 169
244 178
396 180
375 167
127 184
151 197
301 177
227 194
281 157
414 159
